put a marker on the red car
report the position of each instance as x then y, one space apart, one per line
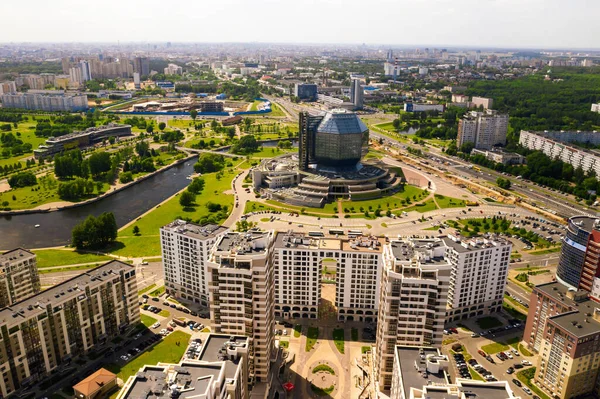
482 353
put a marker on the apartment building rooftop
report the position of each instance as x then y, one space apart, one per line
201 232
293 239
562 294
587 223
474 244
414 370
73 287
191 379
15 254
421 249
252 242
581 322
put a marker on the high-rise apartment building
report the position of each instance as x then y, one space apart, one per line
479 271
241 292
173 69
44 331
570 270
75 76
483 129
19 277
299 261
45 102
141 65
185 247
8 87
306 91
412 302
357 94
86 73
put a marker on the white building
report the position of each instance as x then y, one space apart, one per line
75 76
8 87
19 277
487 103
241 292
412 303
553 144
596 108
483 129
173 69
185 247
479 271
299 261
58 102
86 73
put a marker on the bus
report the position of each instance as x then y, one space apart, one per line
316 234
476 169
336 232
354 233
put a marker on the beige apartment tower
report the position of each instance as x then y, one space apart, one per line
19 278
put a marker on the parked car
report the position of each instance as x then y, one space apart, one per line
517 382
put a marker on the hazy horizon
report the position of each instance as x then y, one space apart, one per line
500 24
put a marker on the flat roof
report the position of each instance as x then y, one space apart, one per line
201 232
405 251
74 287
214 343
15 254
411 377
580 322
329 242
475 243
486 390
243 243
558 293
584 222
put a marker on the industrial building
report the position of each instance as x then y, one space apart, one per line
221 371
19 277
86 138
65 321
46 102
185 247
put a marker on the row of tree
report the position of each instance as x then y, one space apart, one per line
95 232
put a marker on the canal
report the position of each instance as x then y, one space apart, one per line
128 204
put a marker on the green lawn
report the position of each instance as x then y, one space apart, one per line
25 131
475 375
61 257
166 351
284 344
488 322
323 367
391 202
159 291
365 349
148 288
147 243
426 206
311 338
545 251
67 269
297 330
270 152
276 110
494 348
448 202
525 377
164 313
513 311
252 206
339 339
147 320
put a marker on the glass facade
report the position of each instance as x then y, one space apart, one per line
572 254
341 139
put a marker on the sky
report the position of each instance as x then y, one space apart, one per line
485 23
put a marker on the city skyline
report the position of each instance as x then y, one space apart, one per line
459 23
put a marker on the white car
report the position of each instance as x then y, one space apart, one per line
507 353
525 362
527 390
516 352
156 325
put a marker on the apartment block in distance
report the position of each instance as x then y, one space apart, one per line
484 129
299 260
480 267
185 246
241 294
413 300
45 102
44 331
19 278
221 371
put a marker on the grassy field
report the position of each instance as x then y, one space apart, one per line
60 257
166 351
311 338
448 202
67 269
391 202
270 152
339 339
545 251
25 132
148 288
253 206
494 348
147 320
147 243
426 206
525 377
276 110
297 330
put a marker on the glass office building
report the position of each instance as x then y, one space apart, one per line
573 249
341 139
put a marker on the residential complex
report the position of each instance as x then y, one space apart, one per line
412 304
479 272
241 294
554 145
185 247
86 138
19 277
483 129
45 102
422 373
44 331
8 87
299 261
221 371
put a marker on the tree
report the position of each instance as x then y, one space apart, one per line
136 230
22 179
149 128
95 232
161 126
193 114
196 186
246 145
99 162
143 149
187 199
208 163
503 183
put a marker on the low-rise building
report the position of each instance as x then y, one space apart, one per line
221 371
499 156
96 385
47 330
211 106
596 108
19 277
486 103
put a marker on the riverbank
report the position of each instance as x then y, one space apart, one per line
62 205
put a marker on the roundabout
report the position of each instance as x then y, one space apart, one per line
323 379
